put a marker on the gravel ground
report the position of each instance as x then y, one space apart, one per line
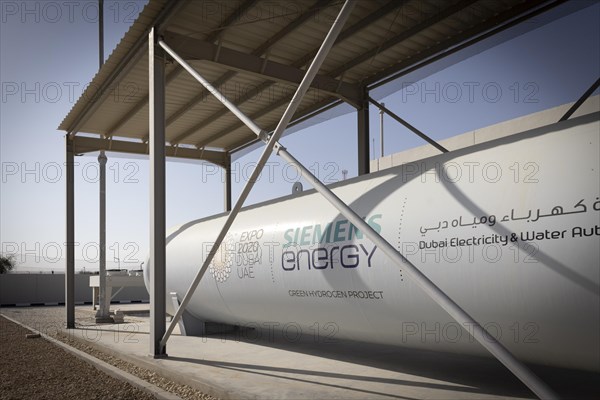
37 369
50 317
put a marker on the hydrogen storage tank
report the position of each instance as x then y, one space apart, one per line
509 229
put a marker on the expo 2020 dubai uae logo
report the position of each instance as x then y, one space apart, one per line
220 266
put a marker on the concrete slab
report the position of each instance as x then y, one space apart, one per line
265 364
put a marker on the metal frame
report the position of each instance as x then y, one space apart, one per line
125 65
156 76
259 51
70 228
270 140
417 132
363 136
227 184
199 50
298 63
272 144
258 62
85 144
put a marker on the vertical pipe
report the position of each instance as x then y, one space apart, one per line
70 242
103 313
156 72
381 130
100 33
363 136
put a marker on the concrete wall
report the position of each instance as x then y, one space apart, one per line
507 128
23 289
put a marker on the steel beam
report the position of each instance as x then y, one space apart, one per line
227 184
363 136
363 23
158 294
493 26
270 142
417 132
85 144
125 65
580 101
140 105
359 25
213 90
213 36
193 49
216 34
346 33
70 242
259 51
307 113
310 110
231 18
215 116
400 37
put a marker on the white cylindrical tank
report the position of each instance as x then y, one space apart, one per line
509 229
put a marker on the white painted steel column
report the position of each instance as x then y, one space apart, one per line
272 140
103 313
488 341
156 72
70 242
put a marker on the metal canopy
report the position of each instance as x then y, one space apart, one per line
255 53
266 67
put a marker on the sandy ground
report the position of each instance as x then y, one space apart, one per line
56 374
37 369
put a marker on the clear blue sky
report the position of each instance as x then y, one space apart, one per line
48 53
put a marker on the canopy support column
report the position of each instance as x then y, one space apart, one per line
227 183
70 242
156 72
270 140
363 135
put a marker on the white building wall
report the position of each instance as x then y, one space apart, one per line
507 128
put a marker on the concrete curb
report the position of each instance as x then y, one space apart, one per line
77 303
156 366
105 367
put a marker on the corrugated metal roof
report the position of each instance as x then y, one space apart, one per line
380 38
